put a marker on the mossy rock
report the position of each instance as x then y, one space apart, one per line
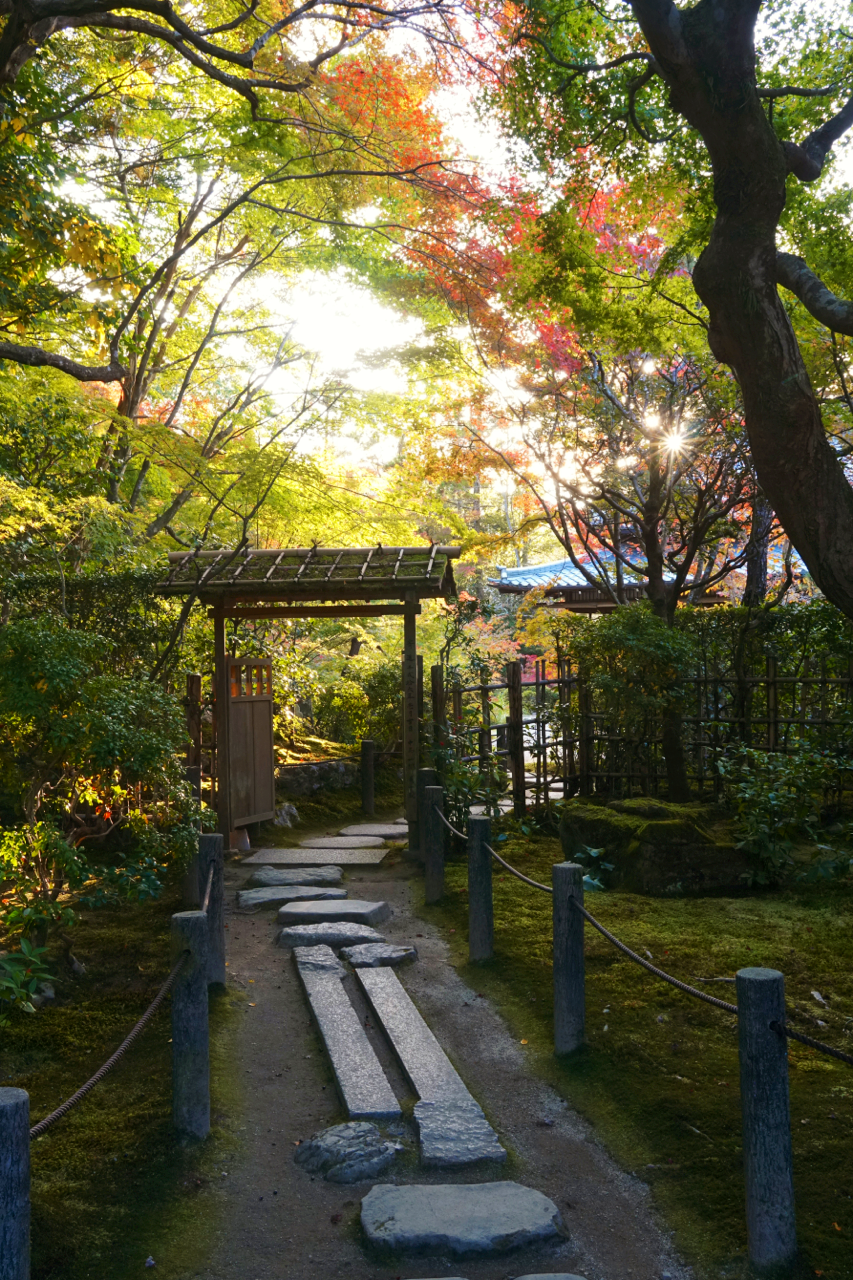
656 847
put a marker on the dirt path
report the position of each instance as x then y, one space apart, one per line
278 1222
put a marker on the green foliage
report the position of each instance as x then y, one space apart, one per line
21 972
365 701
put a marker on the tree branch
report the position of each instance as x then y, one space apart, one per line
793 273
40 359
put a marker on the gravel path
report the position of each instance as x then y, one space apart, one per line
279 1222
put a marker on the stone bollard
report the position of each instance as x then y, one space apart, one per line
211 851
569 993
770 1219
368 777
433 836
14 1184
425 778
481 924
190 1050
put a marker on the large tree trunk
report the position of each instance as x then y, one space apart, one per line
757 549
706 56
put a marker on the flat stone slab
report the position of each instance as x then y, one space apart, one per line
486 1218
330 935
355 911
382 830
370 955
269 877
343 842
275 895
364 1089
455 1133
551 1275
315 857
350 1152
427 1067
319 959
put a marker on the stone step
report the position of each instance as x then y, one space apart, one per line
315 857
486 1218
362 1084
452 1128
342 842
384 830
355 911
269 877
332 935
275 895
370 955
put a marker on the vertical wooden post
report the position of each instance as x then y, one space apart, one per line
223 758
433 837
420 686
569 983
14 1184
190 1046
368 777
772 705
485 735
584 753
211 853
481 926
425 778
192 708
770 1220
410 718
439 708
515 735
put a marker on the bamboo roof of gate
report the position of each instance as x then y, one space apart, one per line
294 574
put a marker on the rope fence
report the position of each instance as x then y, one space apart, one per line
760 1012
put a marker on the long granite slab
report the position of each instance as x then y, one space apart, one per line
427 1067
275 895
269 877
484 1218
355 911
342 842
455 1133
382 830
361 1082
315 857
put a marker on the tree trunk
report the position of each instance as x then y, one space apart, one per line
707 57
757 548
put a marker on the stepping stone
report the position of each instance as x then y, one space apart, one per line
355 911
275 895
364 1089
332 935
551 1275
401 822
369 955
315 857
427 1067
382 830
319 959
486 1218
455 1133
350 1152
268 877
343 842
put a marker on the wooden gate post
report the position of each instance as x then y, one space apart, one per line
768 1167
439 705
410 718
223 764
481 925
515 735
14 1184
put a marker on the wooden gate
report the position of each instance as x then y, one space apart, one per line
250 740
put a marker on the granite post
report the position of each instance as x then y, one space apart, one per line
770 1219
14 1184
569 993
190 1049
211 853
433 832
481 926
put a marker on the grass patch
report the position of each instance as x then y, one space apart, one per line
111 1186
659 1077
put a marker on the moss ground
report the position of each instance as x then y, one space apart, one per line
110 1184
659 1077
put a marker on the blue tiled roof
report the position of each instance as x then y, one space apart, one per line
561 573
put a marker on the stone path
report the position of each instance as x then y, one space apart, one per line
316 857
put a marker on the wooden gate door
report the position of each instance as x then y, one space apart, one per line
250 740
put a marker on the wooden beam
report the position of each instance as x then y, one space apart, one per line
223 754
315 611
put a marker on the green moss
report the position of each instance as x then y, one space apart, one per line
659 1077
110 1183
